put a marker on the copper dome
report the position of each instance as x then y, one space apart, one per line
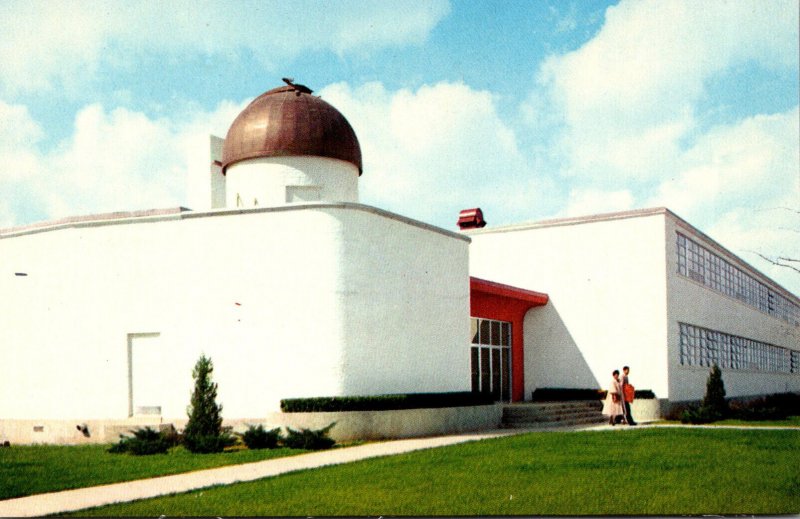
288 121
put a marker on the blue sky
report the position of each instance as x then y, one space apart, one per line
528 109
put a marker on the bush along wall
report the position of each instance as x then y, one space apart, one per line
256 437
778 406
309 439
384 402
145 441
567 394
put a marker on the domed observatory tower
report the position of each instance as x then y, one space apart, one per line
290 146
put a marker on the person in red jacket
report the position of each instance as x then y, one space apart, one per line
628 392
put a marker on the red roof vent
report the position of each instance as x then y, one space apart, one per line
471 219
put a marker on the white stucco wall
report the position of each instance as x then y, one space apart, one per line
607 308
693 303
272 181
302 300
406 295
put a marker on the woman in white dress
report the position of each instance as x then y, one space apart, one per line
613 406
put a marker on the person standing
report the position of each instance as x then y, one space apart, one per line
628 392
612 407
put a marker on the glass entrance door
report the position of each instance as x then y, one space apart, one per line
491 358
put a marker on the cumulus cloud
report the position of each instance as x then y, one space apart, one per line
622 116
753 164
741 183
114 160
19 135
430 152
628 97
594 201
62 44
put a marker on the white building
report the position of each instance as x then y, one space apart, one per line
294 289
645 289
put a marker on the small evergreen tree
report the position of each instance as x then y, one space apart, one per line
714 399
714 406
203 432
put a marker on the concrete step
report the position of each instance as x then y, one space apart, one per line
563 423
552 414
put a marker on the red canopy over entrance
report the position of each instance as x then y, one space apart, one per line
490 300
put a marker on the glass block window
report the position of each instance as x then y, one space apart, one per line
703 266
704 347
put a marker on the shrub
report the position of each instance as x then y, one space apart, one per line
714 406
309 439
384 402
777 406
256 437
714 399
203 433
205 444
566 394
699 415
144 441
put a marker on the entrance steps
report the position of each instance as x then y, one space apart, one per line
526 415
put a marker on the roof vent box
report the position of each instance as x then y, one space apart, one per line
471 219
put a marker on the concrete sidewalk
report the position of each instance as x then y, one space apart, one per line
82 498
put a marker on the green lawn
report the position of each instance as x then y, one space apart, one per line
632 472
792 421
26 470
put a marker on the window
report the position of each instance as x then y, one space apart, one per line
703 347
491 358
703 266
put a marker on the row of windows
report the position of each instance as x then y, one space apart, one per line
703 266
703 347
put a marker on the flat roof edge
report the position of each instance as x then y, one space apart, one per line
572 220
180 213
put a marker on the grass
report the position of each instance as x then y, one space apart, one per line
26 470
632 472
792 421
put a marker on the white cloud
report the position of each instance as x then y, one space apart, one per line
427 153
19 135
627 98
751 165
741 184
431 152
584 202
114 160
621 116
63 44
771 232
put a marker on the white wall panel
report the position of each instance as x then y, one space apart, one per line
309 300
607 305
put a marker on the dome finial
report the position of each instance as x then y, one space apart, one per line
297 86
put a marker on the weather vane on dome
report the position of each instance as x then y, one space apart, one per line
297 86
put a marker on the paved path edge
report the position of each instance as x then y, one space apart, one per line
89 497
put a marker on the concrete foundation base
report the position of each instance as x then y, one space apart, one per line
406 423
